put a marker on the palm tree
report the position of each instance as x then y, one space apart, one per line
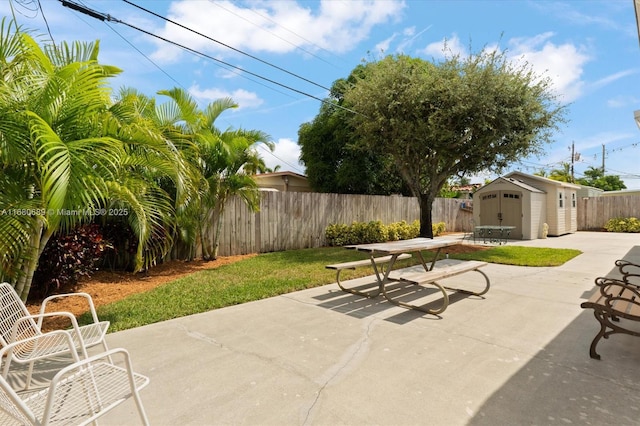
232 180
156 179
69 155
54 166
563 175
220 157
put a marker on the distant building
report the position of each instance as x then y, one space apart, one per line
620 192
282 181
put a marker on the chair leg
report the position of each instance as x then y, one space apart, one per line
29 374
141 411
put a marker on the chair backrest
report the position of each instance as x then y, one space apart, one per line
12 310
78 393
12 407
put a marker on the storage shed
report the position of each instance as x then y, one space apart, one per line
528 202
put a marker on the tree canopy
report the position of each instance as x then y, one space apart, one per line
457 117
594 176
335 160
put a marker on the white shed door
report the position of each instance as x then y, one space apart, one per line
502 208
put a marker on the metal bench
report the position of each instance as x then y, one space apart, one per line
614 299
374 261
431 277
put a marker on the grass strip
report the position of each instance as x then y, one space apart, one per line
272 274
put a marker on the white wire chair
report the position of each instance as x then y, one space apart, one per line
16 324
78 394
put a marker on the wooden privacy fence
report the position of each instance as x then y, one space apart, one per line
294 220
593 213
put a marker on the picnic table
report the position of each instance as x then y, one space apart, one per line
494 233
389 252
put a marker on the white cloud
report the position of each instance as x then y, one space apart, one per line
602 138
445 48
243 98
563 64
383 46
614 77
623 101
286 155
274 26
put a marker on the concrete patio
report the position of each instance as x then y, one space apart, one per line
520 356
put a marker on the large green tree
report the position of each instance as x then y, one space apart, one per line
594 176
457 117
334 159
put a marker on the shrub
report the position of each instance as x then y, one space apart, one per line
68 257
337 234
375 232
438 228
619 224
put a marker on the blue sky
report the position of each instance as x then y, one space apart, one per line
589 48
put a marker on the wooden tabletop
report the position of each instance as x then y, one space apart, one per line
405 246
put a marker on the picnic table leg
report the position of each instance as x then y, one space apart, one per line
433 262
356 292
385 272
445 296
445 301
474 293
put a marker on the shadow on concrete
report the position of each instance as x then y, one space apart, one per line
563 385
360 307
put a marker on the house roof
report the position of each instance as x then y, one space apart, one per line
275 174
541 179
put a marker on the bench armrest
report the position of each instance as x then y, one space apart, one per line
614 290
630 271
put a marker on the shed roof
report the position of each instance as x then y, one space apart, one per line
541 179
515 182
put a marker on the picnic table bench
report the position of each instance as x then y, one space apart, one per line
616 301
430 278
375 261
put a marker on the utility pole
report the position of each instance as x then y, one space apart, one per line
602 159
573 158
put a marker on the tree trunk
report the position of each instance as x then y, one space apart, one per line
216 238
38 242
205 235
426 220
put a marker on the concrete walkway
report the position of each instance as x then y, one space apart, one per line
520 356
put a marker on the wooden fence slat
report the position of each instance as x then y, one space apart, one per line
293 220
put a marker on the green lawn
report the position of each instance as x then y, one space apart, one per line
271 274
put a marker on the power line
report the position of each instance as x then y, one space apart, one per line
276 35
145 56
44 17
226 45
106 17
285 162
